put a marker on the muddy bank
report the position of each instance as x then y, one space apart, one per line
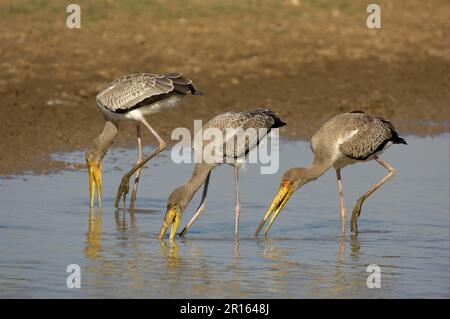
308 61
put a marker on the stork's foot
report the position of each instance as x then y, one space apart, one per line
355 214
122 191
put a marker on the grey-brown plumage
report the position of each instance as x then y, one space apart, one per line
256 124
137 90
132 97
351 137
345 139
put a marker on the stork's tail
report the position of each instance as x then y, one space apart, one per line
400 140
277 121
194 91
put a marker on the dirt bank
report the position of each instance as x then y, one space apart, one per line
308 60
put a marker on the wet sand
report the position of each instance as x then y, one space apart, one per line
306 60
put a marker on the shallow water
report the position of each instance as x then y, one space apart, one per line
46 225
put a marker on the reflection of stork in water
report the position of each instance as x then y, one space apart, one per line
174 261
94 235
250 123
345 139
131 97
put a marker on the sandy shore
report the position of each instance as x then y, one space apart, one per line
308 61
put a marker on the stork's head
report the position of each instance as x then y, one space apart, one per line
292 180
176 205
94 157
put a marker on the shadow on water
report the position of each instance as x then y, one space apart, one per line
403 229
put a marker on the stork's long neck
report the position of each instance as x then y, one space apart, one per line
102 143
317 169
197 178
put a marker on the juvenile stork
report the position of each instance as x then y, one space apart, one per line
256 124
345 139
131 97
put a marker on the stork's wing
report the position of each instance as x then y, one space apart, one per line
372 135
250 123
130 90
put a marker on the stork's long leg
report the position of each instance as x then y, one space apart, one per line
200 208
357 210
138 172
341 200
124 185
237 209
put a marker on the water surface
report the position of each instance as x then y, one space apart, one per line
46 224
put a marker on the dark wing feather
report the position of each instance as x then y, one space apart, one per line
372 136
183 85
179 78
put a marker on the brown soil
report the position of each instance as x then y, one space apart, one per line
308 60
